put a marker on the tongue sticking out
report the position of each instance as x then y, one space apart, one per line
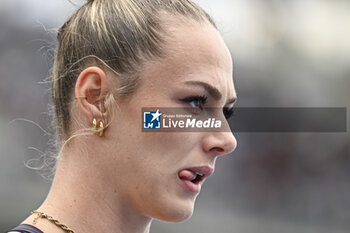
187 175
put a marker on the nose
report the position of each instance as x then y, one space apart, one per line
219 143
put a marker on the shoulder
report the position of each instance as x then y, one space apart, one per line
25 228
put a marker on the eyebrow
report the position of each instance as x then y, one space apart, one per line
213 91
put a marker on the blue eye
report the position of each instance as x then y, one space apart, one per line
196 101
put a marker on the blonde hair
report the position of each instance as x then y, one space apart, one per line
115 34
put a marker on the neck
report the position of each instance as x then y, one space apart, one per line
79 199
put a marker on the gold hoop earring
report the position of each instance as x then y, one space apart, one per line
100 128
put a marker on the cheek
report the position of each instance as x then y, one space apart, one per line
170 149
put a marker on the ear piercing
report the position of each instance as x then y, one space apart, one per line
98 128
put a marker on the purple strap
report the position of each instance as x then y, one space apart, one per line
25 228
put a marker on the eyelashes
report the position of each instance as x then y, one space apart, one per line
228 112
198 104
196 101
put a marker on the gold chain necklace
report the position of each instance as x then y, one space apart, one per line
52 219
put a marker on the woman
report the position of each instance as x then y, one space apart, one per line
114 58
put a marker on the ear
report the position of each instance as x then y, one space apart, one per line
91 87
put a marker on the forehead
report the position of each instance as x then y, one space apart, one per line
199 42
195 52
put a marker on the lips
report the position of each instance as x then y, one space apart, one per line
191 178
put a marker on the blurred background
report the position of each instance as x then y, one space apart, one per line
292 53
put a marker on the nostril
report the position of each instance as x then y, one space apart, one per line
217 149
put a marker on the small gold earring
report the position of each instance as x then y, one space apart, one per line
100 128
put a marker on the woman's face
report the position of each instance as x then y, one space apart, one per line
150 171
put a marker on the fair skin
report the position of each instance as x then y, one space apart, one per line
121 181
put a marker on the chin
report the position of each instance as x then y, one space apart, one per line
176 213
